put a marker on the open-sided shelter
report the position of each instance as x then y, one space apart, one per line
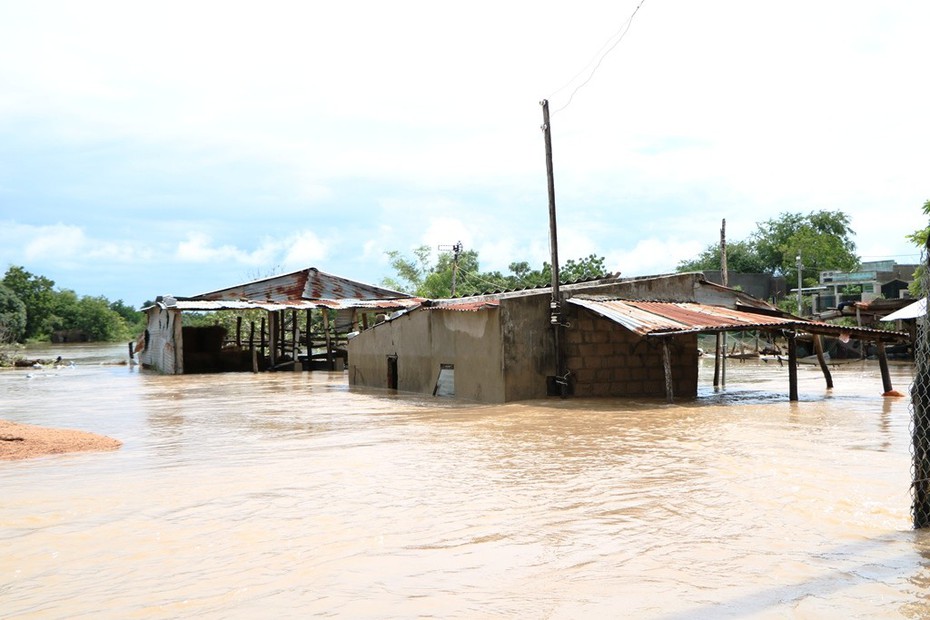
286 336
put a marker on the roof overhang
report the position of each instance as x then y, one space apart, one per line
664 319
204 305
912 311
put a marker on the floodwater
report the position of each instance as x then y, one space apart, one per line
291 495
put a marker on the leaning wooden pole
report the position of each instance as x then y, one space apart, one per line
818 348
883 367
555 314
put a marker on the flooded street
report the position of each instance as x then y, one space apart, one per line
289 494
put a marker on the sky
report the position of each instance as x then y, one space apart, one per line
183 147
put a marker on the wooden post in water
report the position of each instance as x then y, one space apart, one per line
883 366
818 348
329 340
309 335
252 351
717 361
725 280
261 337
792 366
667 366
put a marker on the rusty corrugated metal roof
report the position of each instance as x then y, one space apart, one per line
653 318
467 305
306 284
301 304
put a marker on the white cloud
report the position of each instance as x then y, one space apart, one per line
304 249
54 243
652 256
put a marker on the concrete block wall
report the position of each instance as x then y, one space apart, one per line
606 359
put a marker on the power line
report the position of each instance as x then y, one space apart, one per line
599 58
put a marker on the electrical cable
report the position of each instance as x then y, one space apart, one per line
619 34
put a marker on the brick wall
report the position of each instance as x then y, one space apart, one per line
606 359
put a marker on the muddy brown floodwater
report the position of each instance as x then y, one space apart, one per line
290 494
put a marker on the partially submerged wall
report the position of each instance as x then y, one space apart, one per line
162 349
528 346
606 359
415 346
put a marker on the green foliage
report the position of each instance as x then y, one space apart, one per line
415 275
919 238
12 316
741 258
47 310
823 239
37 294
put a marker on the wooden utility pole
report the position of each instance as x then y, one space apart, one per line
555 318
725 280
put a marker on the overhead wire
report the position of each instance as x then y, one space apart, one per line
599 58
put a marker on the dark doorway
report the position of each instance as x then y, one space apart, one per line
392 372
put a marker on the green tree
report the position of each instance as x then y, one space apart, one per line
411 272
741 258
134 319
95 318
919 238
418 277
823 239
12 316
37 293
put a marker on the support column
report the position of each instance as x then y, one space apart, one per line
329 340
883 365
252 352
818 348
792 366
667 365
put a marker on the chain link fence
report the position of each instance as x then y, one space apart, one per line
920 415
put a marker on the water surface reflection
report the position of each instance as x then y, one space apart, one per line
290 494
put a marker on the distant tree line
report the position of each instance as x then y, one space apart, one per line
823 239
419 275
32 309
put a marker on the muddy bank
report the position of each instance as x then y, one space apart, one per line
23 441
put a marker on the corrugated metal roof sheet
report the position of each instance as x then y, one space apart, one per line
463 306
248 304
305 284
653 318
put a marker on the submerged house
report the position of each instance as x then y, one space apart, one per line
633 337
286 336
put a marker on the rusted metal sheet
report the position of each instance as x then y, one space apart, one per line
469 305
299 304
652 318
301 285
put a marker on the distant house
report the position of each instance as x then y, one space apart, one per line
629 337
284 336
873 280
760 285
